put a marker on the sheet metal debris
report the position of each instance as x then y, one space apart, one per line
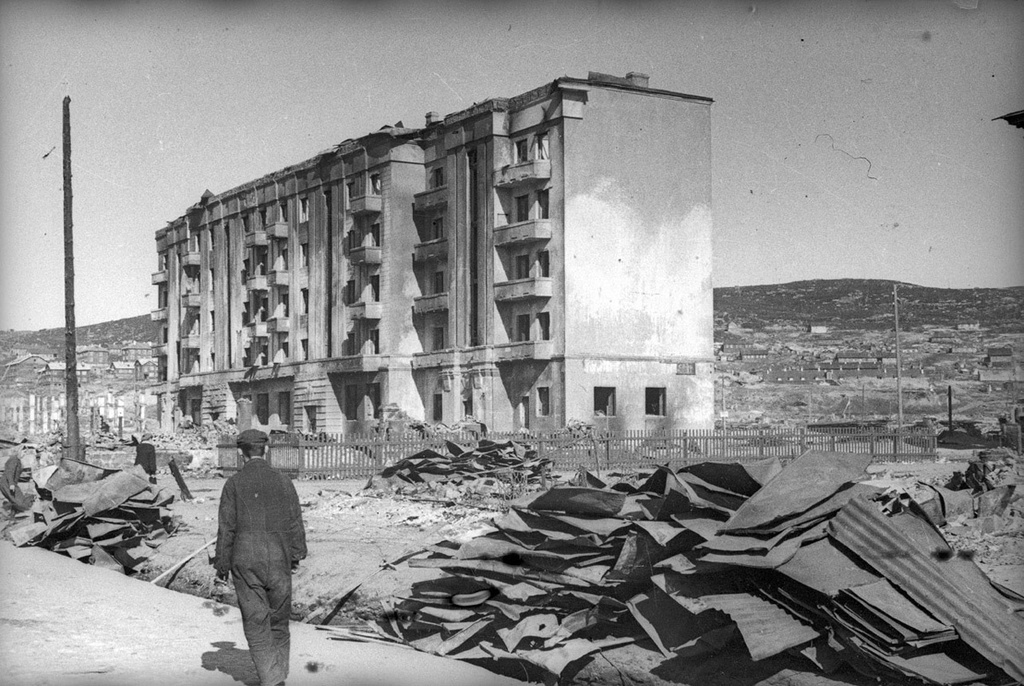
804 560
111 518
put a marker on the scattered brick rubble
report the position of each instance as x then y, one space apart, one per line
111 518
803 560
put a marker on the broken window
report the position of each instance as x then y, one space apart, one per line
246 228
303 254
522 208
304 347
350 292
303 209
373 398
310 414
522 150
541 146
375 184
654 402
438 338
263 216
542 204
438 407
349 345
263 407
436 228
437 177
543 401
374 341
467 406
544 324
523 266
283 303
284 407
375 233
282 212
439 285
543 264
351 402
523 327
283 264
305 301
604 400
375 288
350 187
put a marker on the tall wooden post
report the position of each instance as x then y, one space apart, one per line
899 361
70 348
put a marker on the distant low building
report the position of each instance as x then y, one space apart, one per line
121 369
999 357
54 371
94 355
818 328
23 370
854 356
970 326
754 354
145 368
133 351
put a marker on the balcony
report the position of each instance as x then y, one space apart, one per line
531 171
365 254
257 282
523 289
430 303
275 229
525 350
357 363
365 204
160 277
159 350
258 329
254 238
523 232
191 259
436 249
190 341
279 278
363 309
279 325
435 198
192 299
159 315
433 359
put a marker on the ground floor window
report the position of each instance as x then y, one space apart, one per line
604 400
284 407
543 401
654 402
438 407
263 407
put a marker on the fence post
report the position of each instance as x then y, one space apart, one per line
896 446
803 440
761 440
874 449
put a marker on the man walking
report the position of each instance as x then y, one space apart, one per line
260 540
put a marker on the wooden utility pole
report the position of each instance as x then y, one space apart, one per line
899 361
70 347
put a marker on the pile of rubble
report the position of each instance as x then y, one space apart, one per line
111 518
803 560
489 467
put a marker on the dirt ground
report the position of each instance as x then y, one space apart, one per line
353 531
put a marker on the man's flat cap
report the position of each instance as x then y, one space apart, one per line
251 437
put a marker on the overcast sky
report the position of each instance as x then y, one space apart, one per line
850 139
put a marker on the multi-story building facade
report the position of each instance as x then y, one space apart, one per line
526 261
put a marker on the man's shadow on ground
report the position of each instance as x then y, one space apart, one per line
234 662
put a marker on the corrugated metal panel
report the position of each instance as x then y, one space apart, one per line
974 610
767 629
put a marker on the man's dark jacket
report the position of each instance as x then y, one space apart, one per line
260 519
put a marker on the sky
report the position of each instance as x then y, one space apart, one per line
850 139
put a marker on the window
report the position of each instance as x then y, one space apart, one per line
245 224
303 254
310 414
437 177
374 341
543 401
213 276
350 292
373 396
163 334
284 407
542 146
375 288
542 204
162 265
375 184
438 407
523 266
351 402
654 402
350 187
522 150
305 301
304 346
262 407
544 324
604 400
467 406
263 216
522 208
438 338
436 228
375 233
355 238
245 313
523 327
348 347
303 209
283 265
439 285
282 208
543 264
282 303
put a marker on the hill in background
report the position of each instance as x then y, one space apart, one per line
107 334
866 304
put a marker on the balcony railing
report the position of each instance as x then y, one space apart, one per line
279 325
523 289
192 299
191 341
160 277
429 200
436 249
356 363
159 315
254 238
191 259
365 204
363 309
365 254
531 171
432 359
525 350
258 329
276 229
257 282
430 303
523 232
279 278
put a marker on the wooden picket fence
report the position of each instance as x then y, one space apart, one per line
339 456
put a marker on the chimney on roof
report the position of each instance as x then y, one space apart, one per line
638 79
432 118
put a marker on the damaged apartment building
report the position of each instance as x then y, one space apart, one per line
527 261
